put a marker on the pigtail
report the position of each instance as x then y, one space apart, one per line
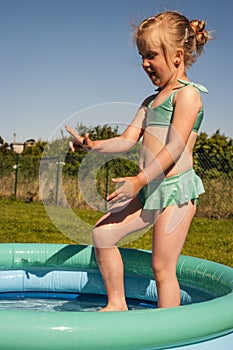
195 37
197 28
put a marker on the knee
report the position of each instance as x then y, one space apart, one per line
158 269
102 238
97 236
163 270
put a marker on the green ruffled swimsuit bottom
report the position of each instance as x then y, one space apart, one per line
174 190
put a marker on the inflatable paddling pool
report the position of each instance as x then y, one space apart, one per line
205 317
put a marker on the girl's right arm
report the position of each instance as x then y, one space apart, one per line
117 144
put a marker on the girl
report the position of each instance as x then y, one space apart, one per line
165 190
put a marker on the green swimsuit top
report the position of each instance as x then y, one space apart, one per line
162 114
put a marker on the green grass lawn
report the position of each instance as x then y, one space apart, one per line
22 222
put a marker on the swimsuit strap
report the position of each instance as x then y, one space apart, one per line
198 86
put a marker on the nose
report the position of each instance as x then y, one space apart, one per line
145 63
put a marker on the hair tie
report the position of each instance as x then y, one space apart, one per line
194 27
186 35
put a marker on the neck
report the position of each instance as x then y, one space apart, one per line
173 82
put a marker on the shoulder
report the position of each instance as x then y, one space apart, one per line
190 90
188 101
188 94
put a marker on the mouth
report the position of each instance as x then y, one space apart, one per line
152 75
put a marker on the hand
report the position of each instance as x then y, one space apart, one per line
79 141
129 189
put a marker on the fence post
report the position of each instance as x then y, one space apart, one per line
16 173
106 185
57 180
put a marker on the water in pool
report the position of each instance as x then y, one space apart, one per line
60 302
73 302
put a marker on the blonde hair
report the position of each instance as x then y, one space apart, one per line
172 30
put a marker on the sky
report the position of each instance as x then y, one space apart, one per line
74 61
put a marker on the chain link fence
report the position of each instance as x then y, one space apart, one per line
19 178
217 201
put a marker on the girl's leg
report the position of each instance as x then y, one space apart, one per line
170 231
107 232
112 270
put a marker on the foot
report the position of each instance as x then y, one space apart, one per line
114 307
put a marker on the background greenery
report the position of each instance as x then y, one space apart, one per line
19 173
28 222
25 220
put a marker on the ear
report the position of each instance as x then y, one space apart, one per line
178 57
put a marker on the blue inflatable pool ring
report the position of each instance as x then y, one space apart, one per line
204 319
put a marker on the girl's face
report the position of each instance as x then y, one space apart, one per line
159 68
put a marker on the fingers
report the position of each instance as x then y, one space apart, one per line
87 141
75 145
122 193
73 133
119 179
71 145
112 197
117 197
79 141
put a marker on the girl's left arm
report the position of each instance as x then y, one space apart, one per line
187 106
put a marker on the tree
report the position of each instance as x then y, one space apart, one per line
213 155
73 160
34 148
4 147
